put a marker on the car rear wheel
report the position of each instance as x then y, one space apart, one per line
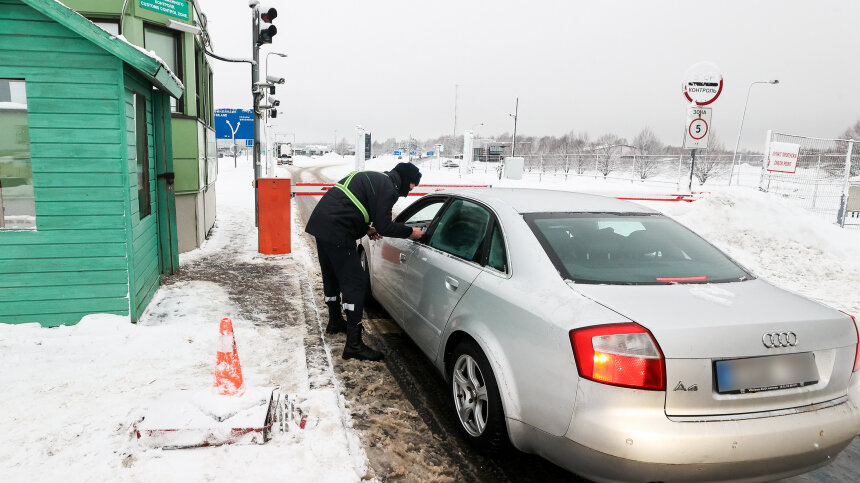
476 397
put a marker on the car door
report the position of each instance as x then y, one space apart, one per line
439 271
388 254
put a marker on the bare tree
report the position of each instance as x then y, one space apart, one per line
580 146
852 132
710 164
647 143
607 149
343 147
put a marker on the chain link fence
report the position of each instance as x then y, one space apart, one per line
820 183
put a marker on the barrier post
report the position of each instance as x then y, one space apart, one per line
274 231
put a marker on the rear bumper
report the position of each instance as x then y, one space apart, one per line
612 439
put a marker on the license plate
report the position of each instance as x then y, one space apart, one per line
769 373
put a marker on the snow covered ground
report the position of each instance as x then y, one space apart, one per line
71 396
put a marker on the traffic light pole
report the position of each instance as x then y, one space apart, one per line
256 89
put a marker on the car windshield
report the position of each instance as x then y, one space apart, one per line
630 248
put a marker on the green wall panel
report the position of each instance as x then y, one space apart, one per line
186 131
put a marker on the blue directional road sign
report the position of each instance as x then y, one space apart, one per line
229 120
412 153
397 153
429 153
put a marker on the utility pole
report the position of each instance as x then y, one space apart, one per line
259 89
514 139
456 92
256 89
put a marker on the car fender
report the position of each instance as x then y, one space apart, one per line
490 345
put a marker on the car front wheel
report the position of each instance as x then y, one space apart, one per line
476 397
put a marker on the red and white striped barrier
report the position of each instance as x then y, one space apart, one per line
318 189
656 197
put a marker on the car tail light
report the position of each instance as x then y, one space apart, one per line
856 349
619 354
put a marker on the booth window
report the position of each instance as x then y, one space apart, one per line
111 26
17 204
141 139
165 43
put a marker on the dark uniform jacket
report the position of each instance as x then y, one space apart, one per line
337 220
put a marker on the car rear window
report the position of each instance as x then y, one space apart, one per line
621 248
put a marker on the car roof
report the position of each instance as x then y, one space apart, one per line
533 200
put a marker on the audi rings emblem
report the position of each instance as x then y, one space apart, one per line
779 339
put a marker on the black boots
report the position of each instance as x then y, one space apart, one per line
336 322
354 347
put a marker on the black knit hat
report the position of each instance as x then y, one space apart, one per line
408 172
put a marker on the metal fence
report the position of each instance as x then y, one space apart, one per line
821 179
664 170
820 184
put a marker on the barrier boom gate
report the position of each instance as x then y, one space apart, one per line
319 189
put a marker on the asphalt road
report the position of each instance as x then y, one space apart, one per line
424 388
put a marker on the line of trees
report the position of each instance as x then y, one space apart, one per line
576 152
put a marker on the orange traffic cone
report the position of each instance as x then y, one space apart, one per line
228 371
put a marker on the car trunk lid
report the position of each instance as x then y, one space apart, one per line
738 348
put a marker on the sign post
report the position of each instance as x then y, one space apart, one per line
702 85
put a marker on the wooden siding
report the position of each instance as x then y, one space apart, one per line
77 261
145 272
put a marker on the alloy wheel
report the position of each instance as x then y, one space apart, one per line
470 395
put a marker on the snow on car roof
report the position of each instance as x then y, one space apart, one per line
531 200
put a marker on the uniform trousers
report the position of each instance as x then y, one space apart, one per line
342 274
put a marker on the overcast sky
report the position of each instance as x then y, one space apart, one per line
598 66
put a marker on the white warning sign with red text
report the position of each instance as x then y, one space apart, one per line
782 157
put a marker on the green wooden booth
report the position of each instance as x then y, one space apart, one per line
88 219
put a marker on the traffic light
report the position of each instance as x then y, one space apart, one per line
267 15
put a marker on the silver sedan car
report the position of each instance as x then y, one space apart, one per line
615 342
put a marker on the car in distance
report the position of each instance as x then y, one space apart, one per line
614 342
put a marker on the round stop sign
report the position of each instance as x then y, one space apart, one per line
703 83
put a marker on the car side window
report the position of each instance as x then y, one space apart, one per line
497 258
461 230
421 215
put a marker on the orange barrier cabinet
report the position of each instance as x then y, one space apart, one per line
273 199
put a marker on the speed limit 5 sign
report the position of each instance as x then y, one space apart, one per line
698 127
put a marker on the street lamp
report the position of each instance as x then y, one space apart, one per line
514 139
743 116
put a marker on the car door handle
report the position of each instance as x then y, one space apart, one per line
402 257
451 283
